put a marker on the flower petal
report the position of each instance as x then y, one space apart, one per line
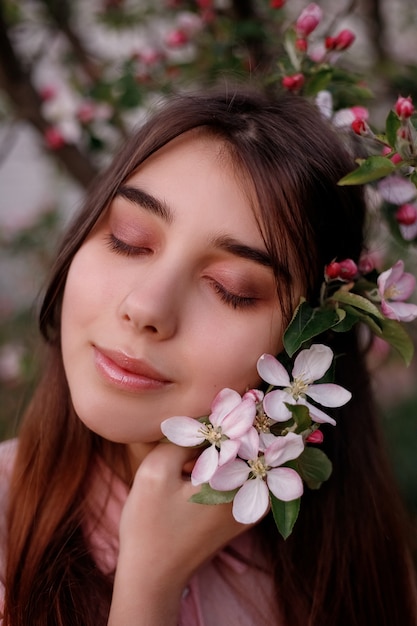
405 286
390 277
318 416
271 370
408 231
240 419
228 450
284 449
205 466
182 430
285 483
400 311
230 476
329 394
251 501
324 103
265 440
313 363
249 444
274 405
396 189
224 402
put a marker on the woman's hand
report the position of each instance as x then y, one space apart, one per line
164 538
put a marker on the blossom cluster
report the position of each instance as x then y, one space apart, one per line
250 439
394 286
391 165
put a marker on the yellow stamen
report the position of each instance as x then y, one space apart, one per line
298 388
258 467
213 434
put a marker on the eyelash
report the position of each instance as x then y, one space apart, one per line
121 247
236 302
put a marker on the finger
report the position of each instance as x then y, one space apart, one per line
167 461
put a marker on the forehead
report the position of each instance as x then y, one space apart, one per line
200 164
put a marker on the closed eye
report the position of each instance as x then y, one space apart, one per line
232 299
126 249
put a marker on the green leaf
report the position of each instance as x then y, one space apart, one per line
398 338
370 169
289 45
207 495
413 177
301 415
318 81
346 322
285 514
354 300
306 324
314 467
392 125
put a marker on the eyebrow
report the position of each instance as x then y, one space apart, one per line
222 242
145 200
228 244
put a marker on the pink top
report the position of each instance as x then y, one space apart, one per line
214 594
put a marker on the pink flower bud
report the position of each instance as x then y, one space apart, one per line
343 270
308 20
47 93
294 82
315 437
53 138
151 56
366 264
86 112
176 39
254 394
360 112
276 4
301 44
395 158
348 269
330 43
332 270
404 107
406 214
344 39
359 126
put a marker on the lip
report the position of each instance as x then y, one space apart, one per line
126 372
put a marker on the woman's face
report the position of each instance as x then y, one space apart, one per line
171 298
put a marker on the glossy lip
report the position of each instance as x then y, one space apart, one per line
126 372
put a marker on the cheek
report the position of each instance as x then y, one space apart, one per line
88 286
229 356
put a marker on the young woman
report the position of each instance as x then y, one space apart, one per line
183 267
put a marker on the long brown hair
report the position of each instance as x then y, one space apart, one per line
348 561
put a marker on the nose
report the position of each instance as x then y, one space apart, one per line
152 304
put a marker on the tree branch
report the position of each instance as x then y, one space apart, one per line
15 81
60 13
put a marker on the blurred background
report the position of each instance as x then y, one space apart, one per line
77 75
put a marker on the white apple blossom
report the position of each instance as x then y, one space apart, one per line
231 418
257 475
396 189
408 231
395 286
310 365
